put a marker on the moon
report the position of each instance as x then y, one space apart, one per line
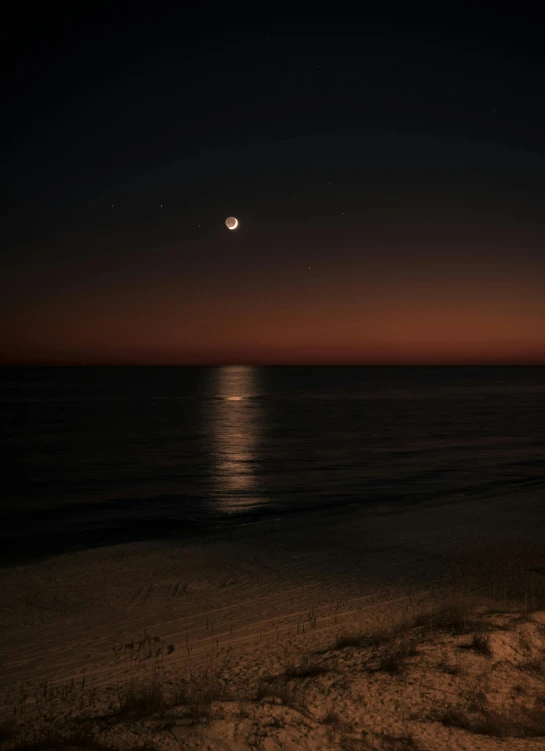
231 222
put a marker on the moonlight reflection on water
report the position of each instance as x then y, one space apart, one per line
235 434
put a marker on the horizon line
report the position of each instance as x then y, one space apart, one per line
267 364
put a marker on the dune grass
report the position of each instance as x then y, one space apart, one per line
143 691
481 643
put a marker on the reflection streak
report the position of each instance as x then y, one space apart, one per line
235 435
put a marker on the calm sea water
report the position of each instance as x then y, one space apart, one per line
102 455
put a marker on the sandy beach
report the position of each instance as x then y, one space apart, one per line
240 607
272 379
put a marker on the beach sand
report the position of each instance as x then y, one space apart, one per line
247 622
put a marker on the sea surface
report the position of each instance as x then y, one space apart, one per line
95 456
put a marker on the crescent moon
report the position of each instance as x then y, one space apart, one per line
231 222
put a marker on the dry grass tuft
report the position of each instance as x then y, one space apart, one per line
308 668
331 717
197 695
455 617
344 641
142 700
142 692
363 640
511 576
277 688
395 661
451 668
481 643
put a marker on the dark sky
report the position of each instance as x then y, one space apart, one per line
388 177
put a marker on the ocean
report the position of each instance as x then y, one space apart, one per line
96 456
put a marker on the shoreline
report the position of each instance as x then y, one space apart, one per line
190 530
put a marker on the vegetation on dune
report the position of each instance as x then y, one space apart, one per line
318 686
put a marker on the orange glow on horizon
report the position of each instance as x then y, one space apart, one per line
371 308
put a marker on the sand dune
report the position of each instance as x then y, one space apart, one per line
246 604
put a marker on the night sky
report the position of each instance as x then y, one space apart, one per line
388 178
